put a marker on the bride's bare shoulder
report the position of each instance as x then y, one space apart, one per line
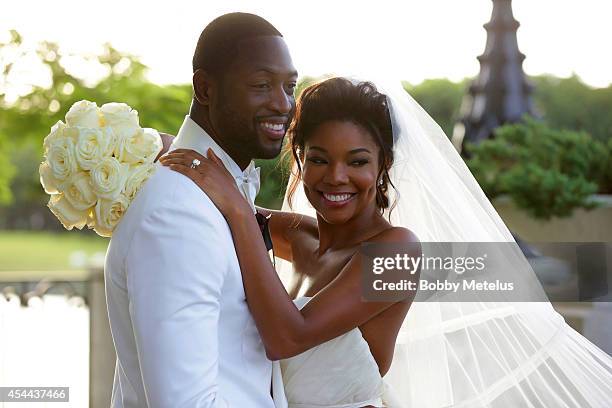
398 235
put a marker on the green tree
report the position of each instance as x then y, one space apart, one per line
25 122
7 172
568 103
547 172
564 103
441 98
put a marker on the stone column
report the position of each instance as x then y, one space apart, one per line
102 355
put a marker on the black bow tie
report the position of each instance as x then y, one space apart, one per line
262 220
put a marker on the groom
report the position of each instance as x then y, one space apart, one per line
181 326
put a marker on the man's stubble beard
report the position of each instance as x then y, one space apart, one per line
235 132
240 137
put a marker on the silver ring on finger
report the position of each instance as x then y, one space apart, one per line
194 163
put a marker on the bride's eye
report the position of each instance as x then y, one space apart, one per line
316 160
360 162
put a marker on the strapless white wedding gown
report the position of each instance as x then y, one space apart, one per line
340 373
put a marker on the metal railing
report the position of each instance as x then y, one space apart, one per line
87 290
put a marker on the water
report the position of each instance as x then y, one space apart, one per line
45 344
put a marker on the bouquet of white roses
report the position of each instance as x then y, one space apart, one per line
95 164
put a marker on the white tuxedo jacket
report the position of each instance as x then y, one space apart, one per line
181 327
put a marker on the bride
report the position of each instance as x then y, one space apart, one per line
374 167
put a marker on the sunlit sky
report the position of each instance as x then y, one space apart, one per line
409 39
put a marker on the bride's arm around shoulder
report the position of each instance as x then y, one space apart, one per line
288 228
339 307
335 310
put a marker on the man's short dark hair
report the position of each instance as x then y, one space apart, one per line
218 44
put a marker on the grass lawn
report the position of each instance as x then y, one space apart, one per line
26 251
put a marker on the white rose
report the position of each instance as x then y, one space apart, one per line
69 216
154 142
57 132
61 157
108 178
142 147
121 118
91 217
93 145
84 114
48 181
108 213
78 191
136 178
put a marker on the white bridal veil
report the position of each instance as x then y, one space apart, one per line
477 353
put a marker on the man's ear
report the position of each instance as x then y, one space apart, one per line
202 84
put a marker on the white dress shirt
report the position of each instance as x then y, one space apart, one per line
192 136
181 326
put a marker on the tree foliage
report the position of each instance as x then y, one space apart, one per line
24 122
441 98
545 171
568 103
564 103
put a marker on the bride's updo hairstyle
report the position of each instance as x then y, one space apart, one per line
339 99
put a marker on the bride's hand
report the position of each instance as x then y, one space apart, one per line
212 177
